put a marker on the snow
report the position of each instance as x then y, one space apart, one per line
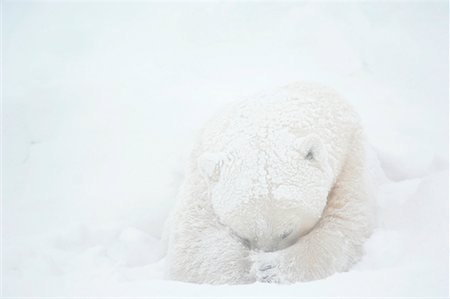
101 103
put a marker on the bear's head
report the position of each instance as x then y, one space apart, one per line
268 190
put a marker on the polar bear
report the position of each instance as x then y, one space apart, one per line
275 191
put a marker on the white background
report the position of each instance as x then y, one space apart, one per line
101 102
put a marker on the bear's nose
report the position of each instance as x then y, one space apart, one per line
285 234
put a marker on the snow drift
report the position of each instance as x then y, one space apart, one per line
101 102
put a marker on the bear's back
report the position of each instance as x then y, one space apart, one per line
302 108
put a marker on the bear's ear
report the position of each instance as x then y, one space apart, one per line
311 148
209 165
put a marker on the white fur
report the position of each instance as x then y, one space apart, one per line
275 192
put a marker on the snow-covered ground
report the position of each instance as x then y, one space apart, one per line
101 102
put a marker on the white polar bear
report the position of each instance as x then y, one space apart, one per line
275 191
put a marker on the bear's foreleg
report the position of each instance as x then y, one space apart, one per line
204 251
335 243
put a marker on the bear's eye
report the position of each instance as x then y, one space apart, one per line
246 242
310 155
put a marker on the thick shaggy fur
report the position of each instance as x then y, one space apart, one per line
275 191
